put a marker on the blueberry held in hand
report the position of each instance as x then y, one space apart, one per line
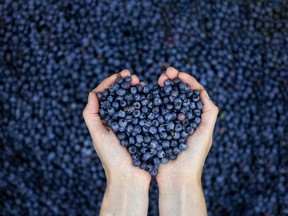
152 124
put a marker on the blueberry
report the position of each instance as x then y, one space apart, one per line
170 126
167 82
132 149
121 92
147 139
183 146
190 130
128 97
116 105
136 113
167 90
176 135
197 120
137 129
144 109
137 97
143 150
129 128
146 156
114 87
174 93
143 165
156 160
155 123
153 151
178 127
115 126
163 135
157 101
111 111
196 92
176 81
176 150
153 130
166 144
124 142
128 79
192 105
172 157
133 90
102 112
139 138
164 160
181 117
139 88
197 112
153 144
149 168
119 80
123 103
161 154
199 105
173 143
154 172
121 136
122 123
135 120
151 116
137 163
145 129
168 117
137 105
155 110
159 147
131 140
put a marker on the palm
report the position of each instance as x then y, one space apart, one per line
116 157
190 161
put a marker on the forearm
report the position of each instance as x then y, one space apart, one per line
182 197
125 197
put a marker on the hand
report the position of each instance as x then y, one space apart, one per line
115 158
190 162
125 183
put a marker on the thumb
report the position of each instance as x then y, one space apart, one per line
209 112
92 118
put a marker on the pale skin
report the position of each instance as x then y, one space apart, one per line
179 181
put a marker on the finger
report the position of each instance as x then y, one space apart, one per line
135 80
142 83
190 80
172 73
124 73
105 84
162 79
209 112
91 116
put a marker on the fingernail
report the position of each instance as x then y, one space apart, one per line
89 97
206 95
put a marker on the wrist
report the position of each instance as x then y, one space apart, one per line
176 183
125 196
142 183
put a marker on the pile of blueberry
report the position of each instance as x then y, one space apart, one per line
152 124
52 53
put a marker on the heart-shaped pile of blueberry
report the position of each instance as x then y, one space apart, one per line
152 124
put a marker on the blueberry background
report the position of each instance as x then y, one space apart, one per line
52 53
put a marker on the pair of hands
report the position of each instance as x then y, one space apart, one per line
117 161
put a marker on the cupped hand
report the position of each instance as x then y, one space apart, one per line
115 158
189 163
